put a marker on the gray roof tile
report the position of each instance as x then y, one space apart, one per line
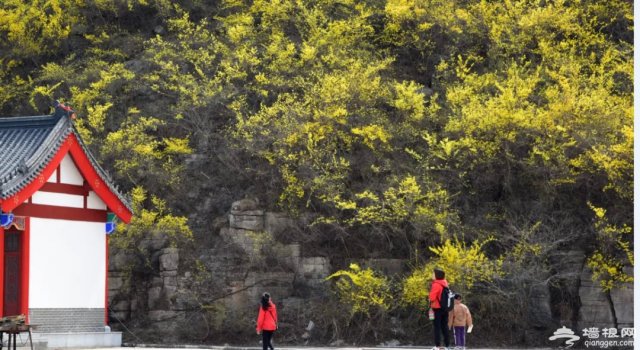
27 144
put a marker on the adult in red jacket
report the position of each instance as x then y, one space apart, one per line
441 320
267 322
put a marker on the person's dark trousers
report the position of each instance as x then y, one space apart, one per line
266 340
458 333
440 326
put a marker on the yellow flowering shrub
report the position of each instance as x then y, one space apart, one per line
464 267
613 252
362 289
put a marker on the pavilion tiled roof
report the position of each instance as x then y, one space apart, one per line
27 145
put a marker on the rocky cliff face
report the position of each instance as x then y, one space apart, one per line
210 293
176 302
604 310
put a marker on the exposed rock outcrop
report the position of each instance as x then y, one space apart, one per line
245 261
251 254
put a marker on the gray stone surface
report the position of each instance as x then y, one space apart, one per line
248 212
246 215
155 242
163 315
595 310
115 282
276 223
246 258
314 269
388 267
155 295
54 320
89 340
246 221
251 242
245 204
165 274
119 260
122 305
169 259
540 316
622 299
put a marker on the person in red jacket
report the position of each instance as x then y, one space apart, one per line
267 321
441 320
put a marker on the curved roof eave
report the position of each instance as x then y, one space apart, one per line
17 175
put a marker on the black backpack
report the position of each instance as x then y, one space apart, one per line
446 299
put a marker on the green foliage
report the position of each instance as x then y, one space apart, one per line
36 27
425 208
146 223
616 161
120 6
321 108
13 86
464 267
525 249
93 103
520 118
217 314
137 152
400 120
362 289
185 69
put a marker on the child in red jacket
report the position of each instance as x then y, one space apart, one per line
267 322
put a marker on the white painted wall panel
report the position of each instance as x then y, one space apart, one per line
67 264
94 202
58 199
54 176
69 174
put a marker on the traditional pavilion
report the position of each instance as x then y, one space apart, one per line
58 207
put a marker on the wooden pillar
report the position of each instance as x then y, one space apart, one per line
1 271
24 269
106 282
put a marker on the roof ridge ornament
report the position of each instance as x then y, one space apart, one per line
62 109
23 168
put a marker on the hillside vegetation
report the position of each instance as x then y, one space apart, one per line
481 136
